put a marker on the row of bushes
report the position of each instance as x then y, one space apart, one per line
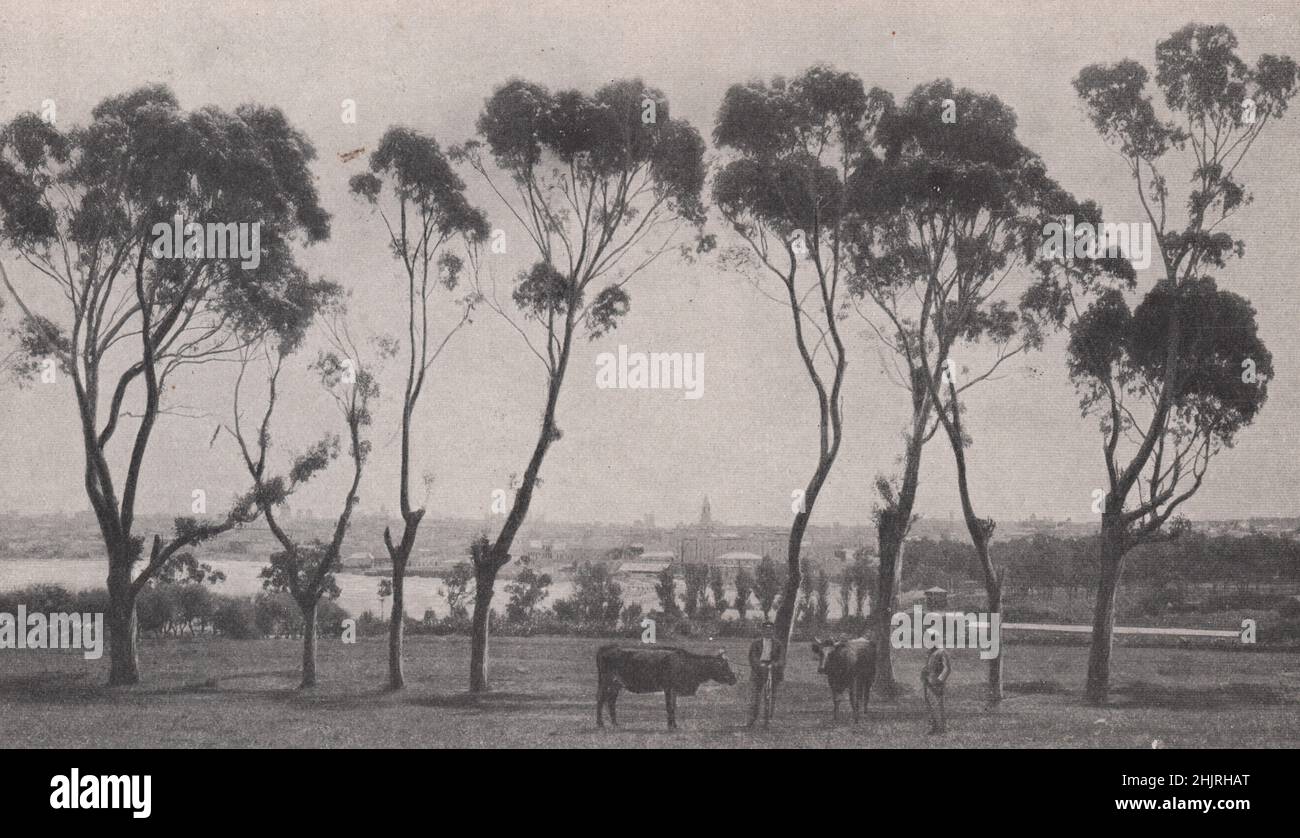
54 599
1175 599
596 610
191 609
187 609
273 615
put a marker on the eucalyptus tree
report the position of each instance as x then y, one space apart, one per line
600 184
1175 378
305 568
87 216
425 211
947 258
793 145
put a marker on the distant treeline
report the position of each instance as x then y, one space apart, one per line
1044 561
186 609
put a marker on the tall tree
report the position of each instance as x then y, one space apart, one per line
863 581
1173 380
952 219
744 591
794 145
305 568
596 182
88 213
767 585
431 211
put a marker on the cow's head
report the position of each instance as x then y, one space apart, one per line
822 651
721 670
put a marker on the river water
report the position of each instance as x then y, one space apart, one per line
359 593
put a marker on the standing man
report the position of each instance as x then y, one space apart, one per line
766 668
933 677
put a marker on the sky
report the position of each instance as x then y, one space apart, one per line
751 439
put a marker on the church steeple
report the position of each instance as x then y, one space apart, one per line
706 513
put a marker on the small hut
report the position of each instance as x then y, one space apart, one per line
936 599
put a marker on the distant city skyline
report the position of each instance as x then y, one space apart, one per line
537 522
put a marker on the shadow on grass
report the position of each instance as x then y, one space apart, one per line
498 702
1041 686
53 688
278 686
283 677
612 736
282 686
1223 697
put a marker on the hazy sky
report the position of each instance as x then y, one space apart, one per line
752 438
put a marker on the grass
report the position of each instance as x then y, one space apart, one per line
220 693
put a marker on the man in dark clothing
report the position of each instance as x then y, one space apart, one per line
766 667
933 677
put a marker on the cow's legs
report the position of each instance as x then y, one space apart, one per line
613 706
601 693
866 694
835 705
670 704
855 698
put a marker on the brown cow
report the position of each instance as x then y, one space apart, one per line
848 665
652 669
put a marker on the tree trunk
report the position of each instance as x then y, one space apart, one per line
396 627
1103 621
485 580
783 625
124 660
893 524
489 560
995 664
400 555
891 565
980 531
309 646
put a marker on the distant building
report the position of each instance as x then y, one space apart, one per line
707 548
936 599
423 560
645 567
737 559
358 561
546 551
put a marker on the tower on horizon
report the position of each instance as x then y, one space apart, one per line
706 513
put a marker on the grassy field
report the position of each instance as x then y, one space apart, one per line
207 693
